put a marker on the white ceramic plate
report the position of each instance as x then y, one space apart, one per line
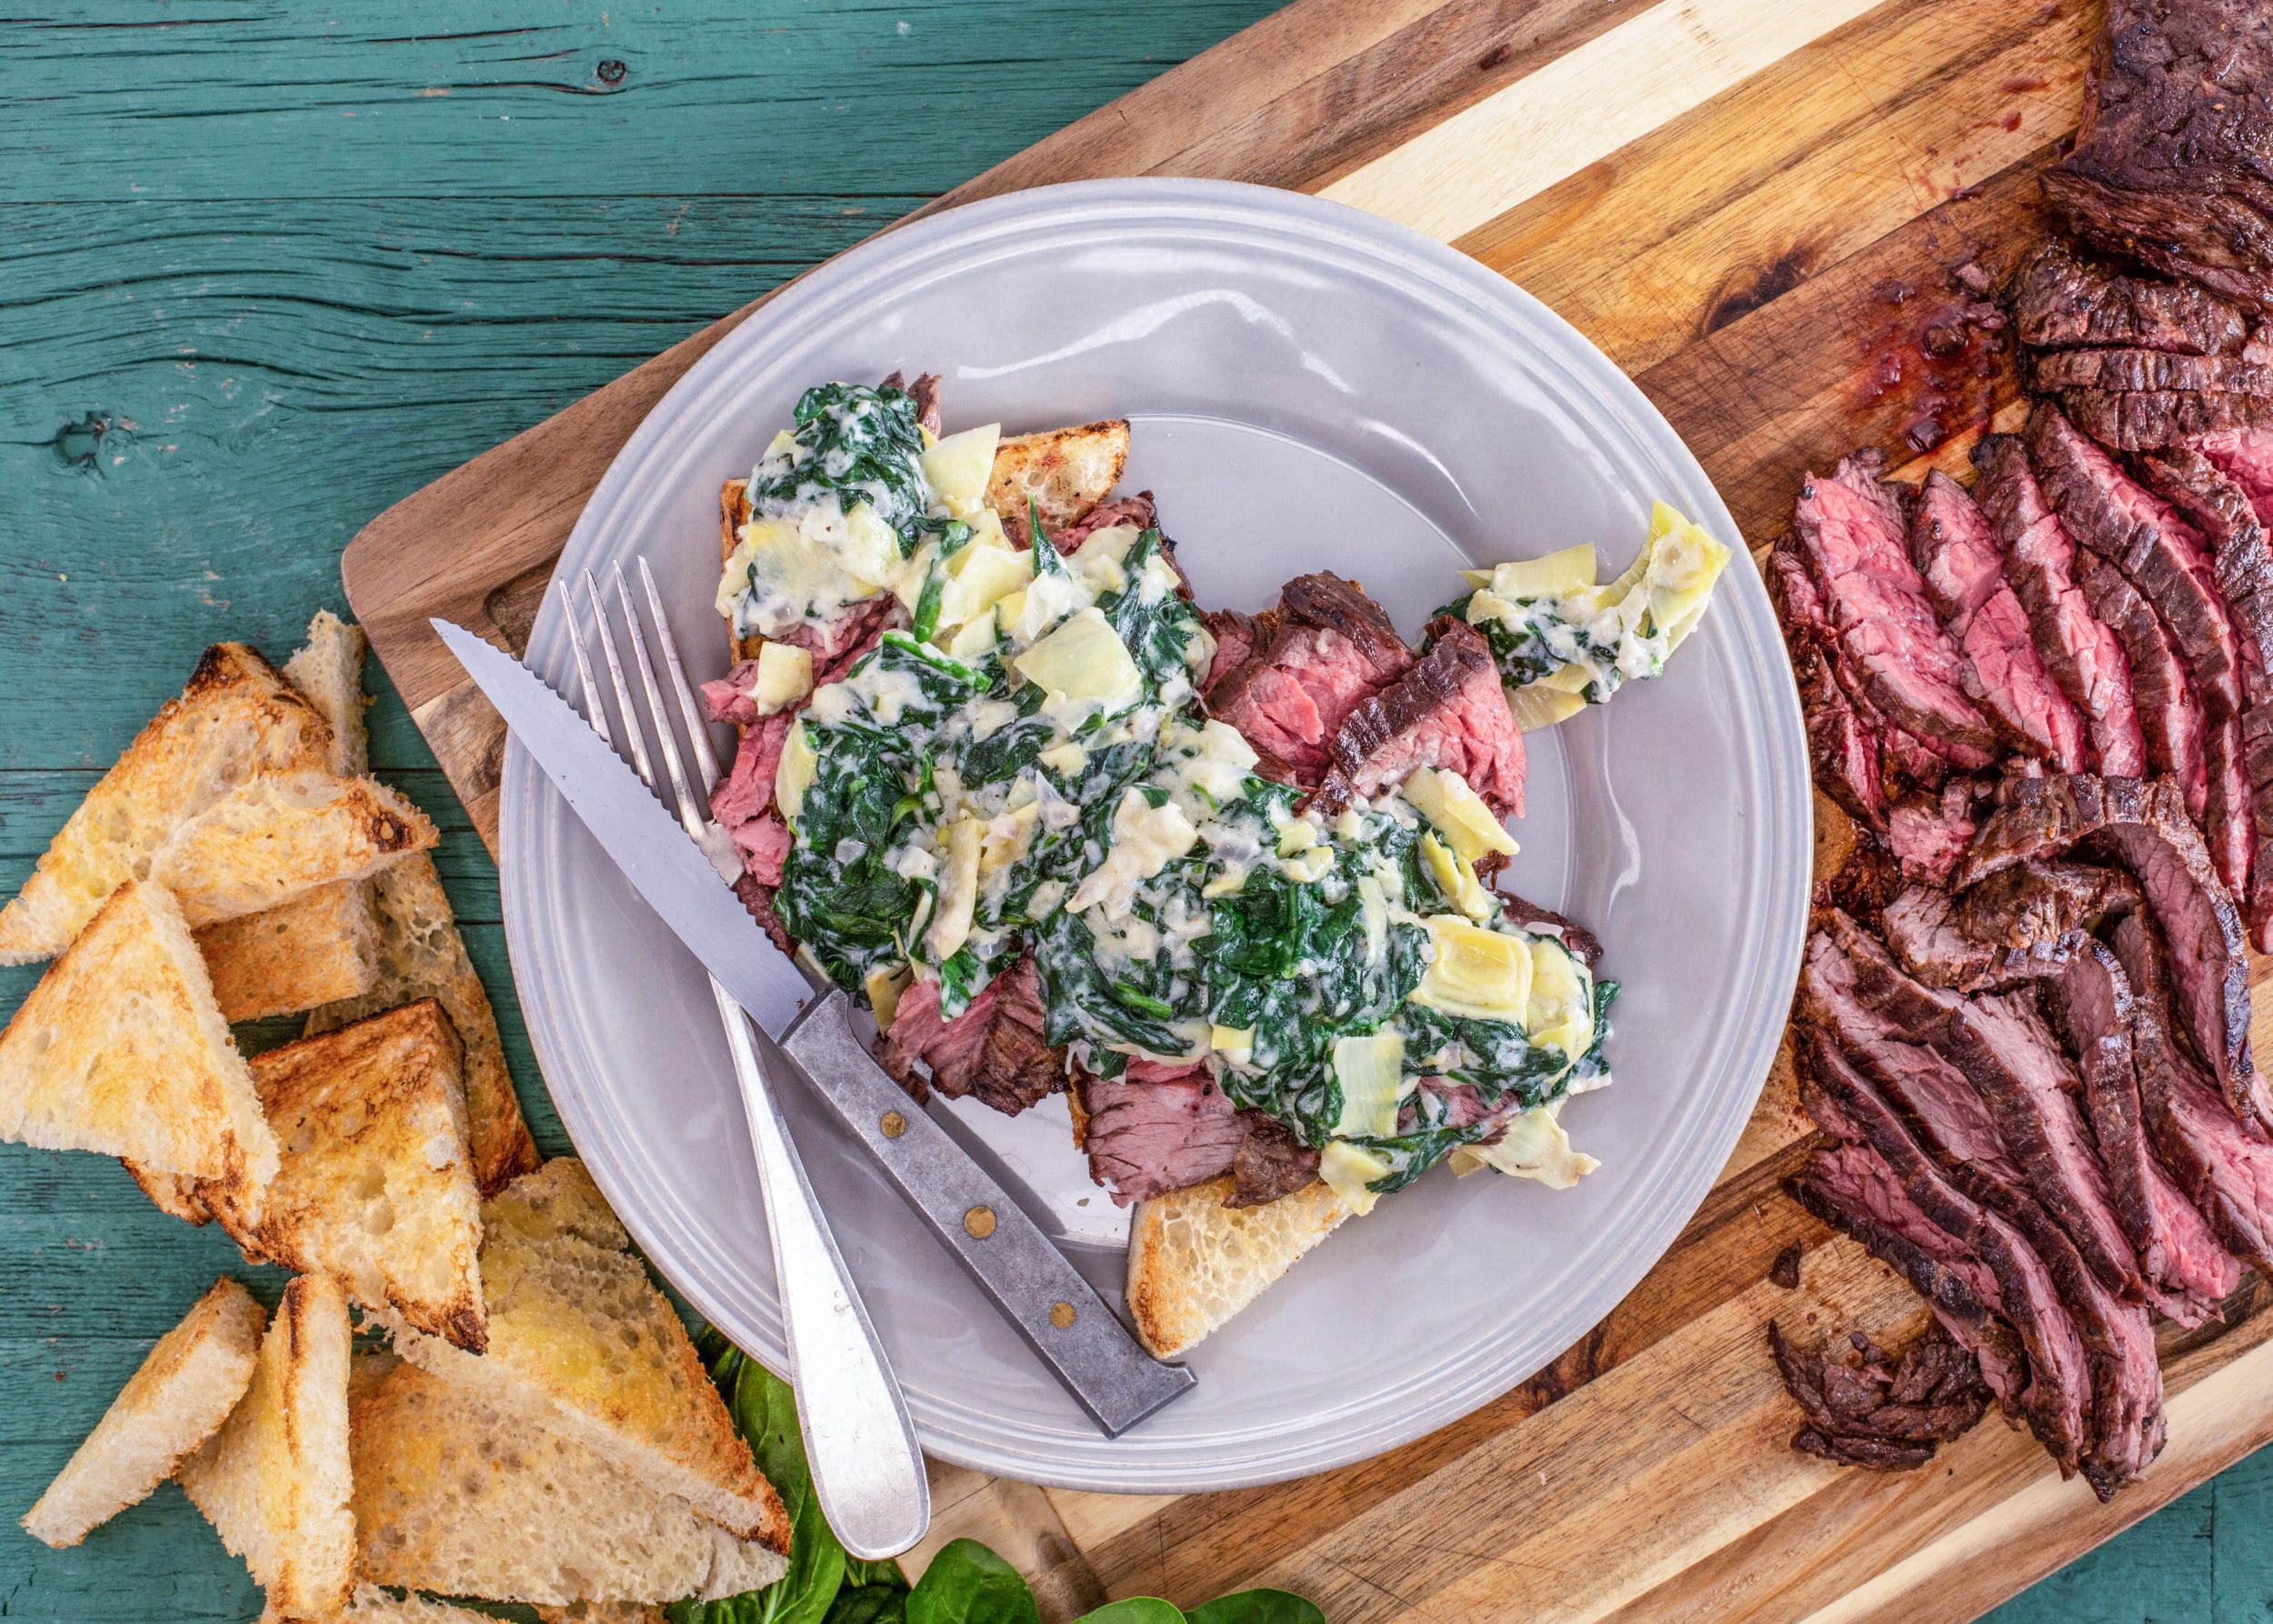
1310 388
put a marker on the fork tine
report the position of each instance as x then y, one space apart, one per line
595 710
624 708
691 811
697 729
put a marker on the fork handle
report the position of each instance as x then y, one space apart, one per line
867 1467
1057 1311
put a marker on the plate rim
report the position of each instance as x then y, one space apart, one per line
1604 389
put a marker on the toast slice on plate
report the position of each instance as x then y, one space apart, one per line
460 1491
273 839
376 1186
121 1049
580 1339
1194 1262
422 955
274 1480
237 718
1064 471
179 1397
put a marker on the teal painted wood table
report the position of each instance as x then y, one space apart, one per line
264 270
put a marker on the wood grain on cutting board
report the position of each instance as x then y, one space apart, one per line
1751 208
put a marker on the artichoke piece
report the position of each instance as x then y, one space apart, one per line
1556 574
792 774
1348 1169
957 469
1477 974
1533 1147
1538 705
1084 660
1458 812
1560 1010
1371 1072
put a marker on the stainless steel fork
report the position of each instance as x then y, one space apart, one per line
867 1466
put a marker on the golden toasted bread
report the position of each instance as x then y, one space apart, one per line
275 838
121 1049
602 1612
421 955
328 670
171 1405
320 948
324 947
236 718
275 1482
1194 1262
371 1605
460 1492
1065 471
376 1186
580 1336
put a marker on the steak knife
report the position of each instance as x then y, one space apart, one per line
1057 1310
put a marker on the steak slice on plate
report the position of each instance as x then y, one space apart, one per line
1158 1128
994 1051
1324 650
1449 711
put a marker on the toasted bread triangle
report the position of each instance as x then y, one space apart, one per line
579 1336
179 1397
459 1492
121 1049
422 955
1064 471
277 837
236 718
375 1188
1194 1262
274 1480
322 947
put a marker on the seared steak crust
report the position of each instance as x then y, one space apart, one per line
2061 301
1885 1413
2144 827
2174 164
1448 711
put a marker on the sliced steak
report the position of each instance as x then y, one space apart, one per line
1270 1163
2172 163
1928 833
2019 1074
2144 827
2226 1170
2170 716
2084 656
1584 945
2061 301
2149 420
2114 516
2126 370
2043 901
1876 1410
2019 926
2217 482
1137 511
1325 649
1449 711
1850 1187
839 646
2188 1271
1957 553
1144 1138
2057 1400
1851 532
1844 733
1238 636
994 1051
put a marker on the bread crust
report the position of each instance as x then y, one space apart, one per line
1194 1262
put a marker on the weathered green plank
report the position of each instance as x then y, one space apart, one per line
223 99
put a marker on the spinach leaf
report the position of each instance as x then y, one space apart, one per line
856 444
1157 635
766 1413
869 1604
968 1584
1258 1606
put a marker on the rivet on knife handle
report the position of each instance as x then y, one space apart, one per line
1054 1308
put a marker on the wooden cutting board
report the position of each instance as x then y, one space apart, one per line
1757 209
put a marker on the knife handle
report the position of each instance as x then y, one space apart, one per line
1057 1311
867 1467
